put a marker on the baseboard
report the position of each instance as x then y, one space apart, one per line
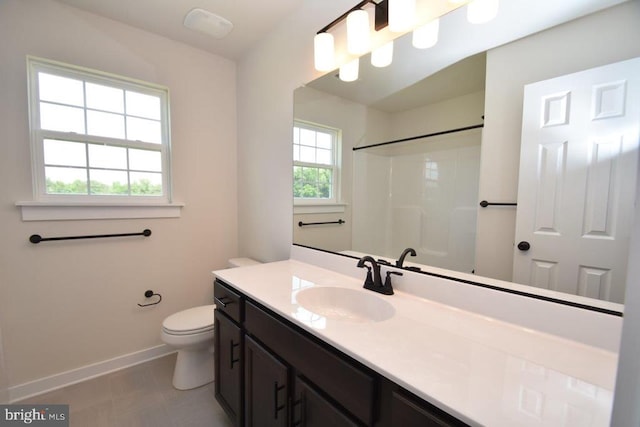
63 379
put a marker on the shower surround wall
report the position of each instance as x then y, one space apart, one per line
421 194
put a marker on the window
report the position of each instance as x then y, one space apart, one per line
315 163
97 137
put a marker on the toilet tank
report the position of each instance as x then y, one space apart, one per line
241 262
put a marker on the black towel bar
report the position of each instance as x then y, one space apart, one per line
484 204
36 238
339 222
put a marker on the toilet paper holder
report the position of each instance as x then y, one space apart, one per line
149 294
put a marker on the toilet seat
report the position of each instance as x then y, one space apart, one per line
191 321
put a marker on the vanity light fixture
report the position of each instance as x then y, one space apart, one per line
426 36
402 15
482 11
358 35
398 16
349 71
382 56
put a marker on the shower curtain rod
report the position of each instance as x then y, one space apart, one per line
428 135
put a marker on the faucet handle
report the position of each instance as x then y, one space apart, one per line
387 288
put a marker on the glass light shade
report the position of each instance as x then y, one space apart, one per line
382 56
402 15
426 36
481 11
358 32
349 71
323 48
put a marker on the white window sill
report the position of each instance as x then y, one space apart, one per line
55 211
319 208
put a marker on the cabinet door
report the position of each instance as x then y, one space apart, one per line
406 412
310 409
266 387
228 367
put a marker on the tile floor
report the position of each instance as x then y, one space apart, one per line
141 395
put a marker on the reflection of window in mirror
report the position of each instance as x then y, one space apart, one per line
315 163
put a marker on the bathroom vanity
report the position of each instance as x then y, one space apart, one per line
297 345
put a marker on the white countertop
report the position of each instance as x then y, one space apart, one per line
481 370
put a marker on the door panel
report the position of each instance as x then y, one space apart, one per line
578 166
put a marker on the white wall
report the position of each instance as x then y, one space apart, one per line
267 77
598 39
68 304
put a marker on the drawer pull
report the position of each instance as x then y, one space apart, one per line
221 302
231 359
277 408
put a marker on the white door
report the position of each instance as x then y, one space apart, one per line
578 164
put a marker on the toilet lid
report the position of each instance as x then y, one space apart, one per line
192 319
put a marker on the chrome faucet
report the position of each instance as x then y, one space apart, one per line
375 284
408 251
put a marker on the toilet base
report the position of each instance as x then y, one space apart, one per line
194 368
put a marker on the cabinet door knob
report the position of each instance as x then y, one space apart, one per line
524 246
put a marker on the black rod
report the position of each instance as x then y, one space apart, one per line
340 222
484 204
36 238
412 138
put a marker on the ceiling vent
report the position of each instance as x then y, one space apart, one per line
208 23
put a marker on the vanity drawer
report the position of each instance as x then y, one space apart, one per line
228 301
353 387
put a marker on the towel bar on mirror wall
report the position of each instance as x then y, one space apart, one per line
304 224
484 204
36 238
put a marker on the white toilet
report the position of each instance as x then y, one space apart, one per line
191 332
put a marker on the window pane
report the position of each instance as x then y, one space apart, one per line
146 184
139 104
104 156
296 135
296 153
143 130
60 89
108 182
307 154
105 124
145 160
66 180
61 118
324 140
105 98
64 153
307 137
323 157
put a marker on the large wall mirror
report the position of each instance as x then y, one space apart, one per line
455 112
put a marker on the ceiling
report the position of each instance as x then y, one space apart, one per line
252 19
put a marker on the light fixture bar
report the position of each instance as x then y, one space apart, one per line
342 17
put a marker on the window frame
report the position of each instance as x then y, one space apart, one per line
335 166
38 136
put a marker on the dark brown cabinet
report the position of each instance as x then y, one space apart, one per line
266 387
228 355
311 409
270 372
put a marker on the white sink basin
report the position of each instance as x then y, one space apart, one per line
345 304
